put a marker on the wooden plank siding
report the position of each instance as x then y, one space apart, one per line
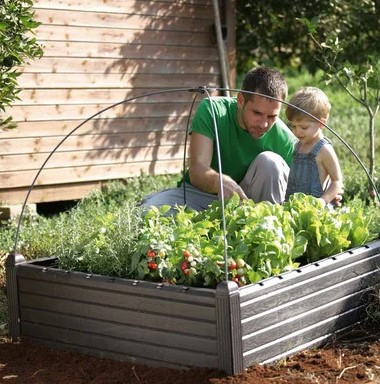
98 53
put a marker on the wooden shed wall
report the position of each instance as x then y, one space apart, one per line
97 53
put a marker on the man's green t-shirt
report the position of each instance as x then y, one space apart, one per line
237 147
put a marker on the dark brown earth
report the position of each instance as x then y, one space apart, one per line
353 359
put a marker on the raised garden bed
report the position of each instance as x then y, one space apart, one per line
228 328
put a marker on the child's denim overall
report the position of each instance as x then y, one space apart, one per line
304 175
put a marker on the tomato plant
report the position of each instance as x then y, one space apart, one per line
263 240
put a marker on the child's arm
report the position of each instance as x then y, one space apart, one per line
330 163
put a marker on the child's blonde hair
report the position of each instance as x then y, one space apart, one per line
312 100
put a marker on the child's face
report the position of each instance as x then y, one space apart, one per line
306 129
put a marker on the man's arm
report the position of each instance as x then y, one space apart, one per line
201 174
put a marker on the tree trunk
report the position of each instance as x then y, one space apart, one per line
372 152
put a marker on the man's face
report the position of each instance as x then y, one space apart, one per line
258 114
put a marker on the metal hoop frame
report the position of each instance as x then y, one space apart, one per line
197 90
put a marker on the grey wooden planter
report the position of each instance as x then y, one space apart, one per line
228 328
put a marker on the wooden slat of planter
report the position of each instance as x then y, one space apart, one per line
122 36
318 332
132 350
302 291
281 309
90 173
273 284
128 317
97 80
292 323
302 310
40 271
115 21
134 301
113 329
120 315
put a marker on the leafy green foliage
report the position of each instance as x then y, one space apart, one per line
361 80
264 239
107 234
265 36
68 233
17 45
346 49
347 119
267 32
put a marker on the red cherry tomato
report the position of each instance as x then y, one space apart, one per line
152 265
232 265
151 254
184 265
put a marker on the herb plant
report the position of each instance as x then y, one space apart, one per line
110 235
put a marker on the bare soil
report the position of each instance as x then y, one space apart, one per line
353 359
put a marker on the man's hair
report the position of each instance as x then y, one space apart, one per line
312 100
266 81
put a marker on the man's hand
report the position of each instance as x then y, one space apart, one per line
201 174
337 200
230 187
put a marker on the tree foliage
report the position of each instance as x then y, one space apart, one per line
361 81
17 45
341 37
269 32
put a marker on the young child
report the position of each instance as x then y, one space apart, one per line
315 169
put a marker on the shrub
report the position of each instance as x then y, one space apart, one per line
17 45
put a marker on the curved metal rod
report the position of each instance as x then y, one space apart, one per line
70 133
324 124
185 147
220 186
201 89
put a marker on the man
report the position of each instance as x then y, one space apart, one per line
256 147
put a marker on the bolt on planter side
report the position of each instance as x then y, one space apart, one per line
228 328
